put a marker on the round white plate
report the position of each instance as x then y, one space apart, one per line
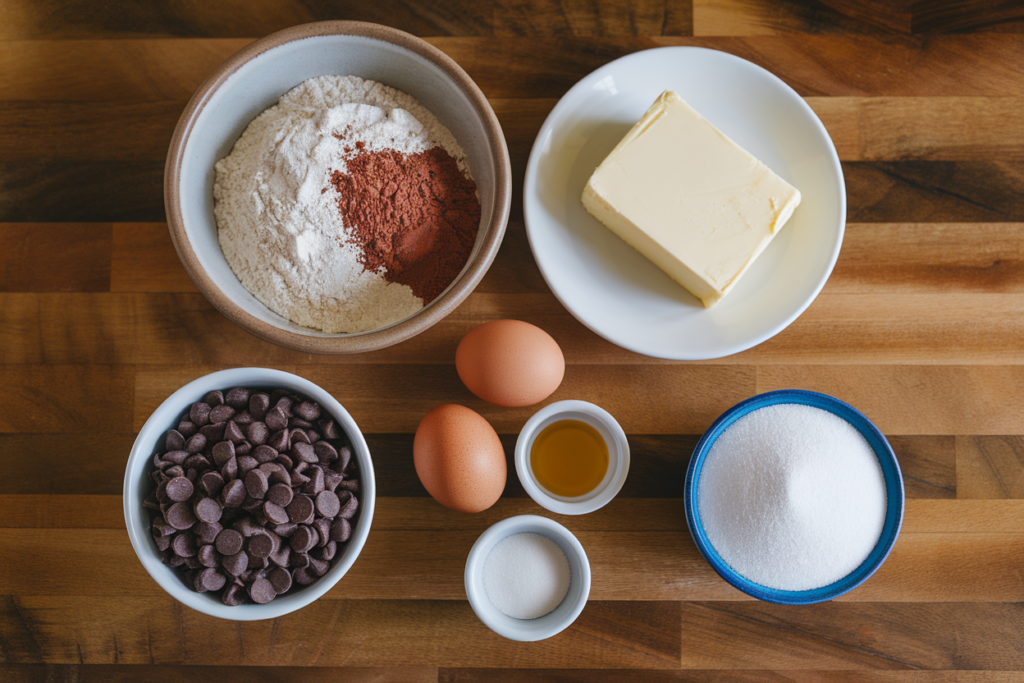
621 295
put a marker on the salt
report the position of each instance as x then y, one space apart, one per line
526 575
792 497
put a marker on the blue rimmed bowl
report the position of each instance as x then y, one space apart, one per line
894 497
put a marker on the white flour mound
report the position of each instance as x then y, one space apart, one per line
277 212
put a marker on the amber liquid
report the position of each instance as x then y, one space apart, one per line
569 458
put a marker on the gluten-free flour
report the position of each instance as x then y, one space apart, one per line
277 212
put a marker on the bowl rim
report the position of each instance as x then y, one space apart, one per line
545 626
894 493
373 339
618 449
141 454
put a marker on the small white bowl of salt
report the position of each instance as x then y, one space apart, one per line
527 578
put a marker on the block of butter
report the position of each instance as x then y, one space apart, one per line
689 199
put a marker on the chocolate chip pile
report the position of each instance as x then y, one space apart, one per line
255 491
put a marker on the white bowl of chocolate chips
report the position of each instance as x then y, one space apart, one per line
249 493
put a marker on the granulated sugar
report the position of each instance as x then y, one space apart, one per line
526 575
792 497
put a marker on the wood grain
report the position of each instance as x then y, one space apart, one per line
766 17
152 673
60 398
990 466
55 257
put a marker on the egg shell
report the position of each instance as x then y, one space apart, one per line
510 363
459 458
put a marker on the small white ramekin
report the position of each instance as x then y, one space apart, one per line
137 483
618 457
552 623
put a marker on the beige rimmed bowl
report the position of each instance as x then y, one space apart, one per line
254 79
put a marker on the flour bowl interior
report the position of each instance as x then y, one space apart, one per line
253 80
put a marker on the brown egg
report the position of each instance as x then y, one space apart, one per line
459 458
510 363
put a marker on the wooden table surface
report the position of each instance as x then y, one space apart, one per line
920 326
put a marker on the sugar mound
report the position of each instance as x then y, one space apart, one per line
792 497
526 575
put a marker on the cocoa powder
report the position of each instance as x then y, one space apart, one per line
415 215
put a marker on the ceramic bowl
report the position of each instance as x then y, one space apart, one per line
251 81
893 493
137 485
552 623
618 457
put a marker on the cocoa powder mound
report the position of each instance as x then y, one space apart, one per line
414 214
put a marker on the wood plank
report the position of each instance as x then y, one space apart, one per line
395 398
543 18
143 259
65 398
711 676
990 466
527 67
158 630
923 128
55 257
915 399
234 18
929 257
773 17
38 463
155 673
626 566
928 464
934 191
844 636
939 16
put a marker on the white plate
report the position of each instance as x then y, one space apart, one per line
621 295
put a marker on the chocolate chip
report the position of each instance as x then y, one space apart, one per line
213 432
174 441
280 579
214 398
329 428
304 452
233 595
221 413
162 528
298 436
348 504
341 531
210 579
246 463
243 448
237 398
260 545
282 556
233 493
187 428
258 405
262 591
235 564
301 425
184 545
243 419
332 479
280 494
284 404
176 457
196 462
229 542
276 473
275 513
222 452
325 452
230 470
328 504
313 435
298 560
207 532
304 539
162 542
280 440
180 516
318 567
351 485
300 510
208 556
256 483
264 454
195 443
199 414
233 433
323 531
308 410
328 552
208 510
303 577
276 419
179 489
247 527
285 461
344 458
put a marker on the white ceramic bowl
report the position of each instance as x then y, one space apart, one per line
609 286
618 457
552 623
137 484
254 79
